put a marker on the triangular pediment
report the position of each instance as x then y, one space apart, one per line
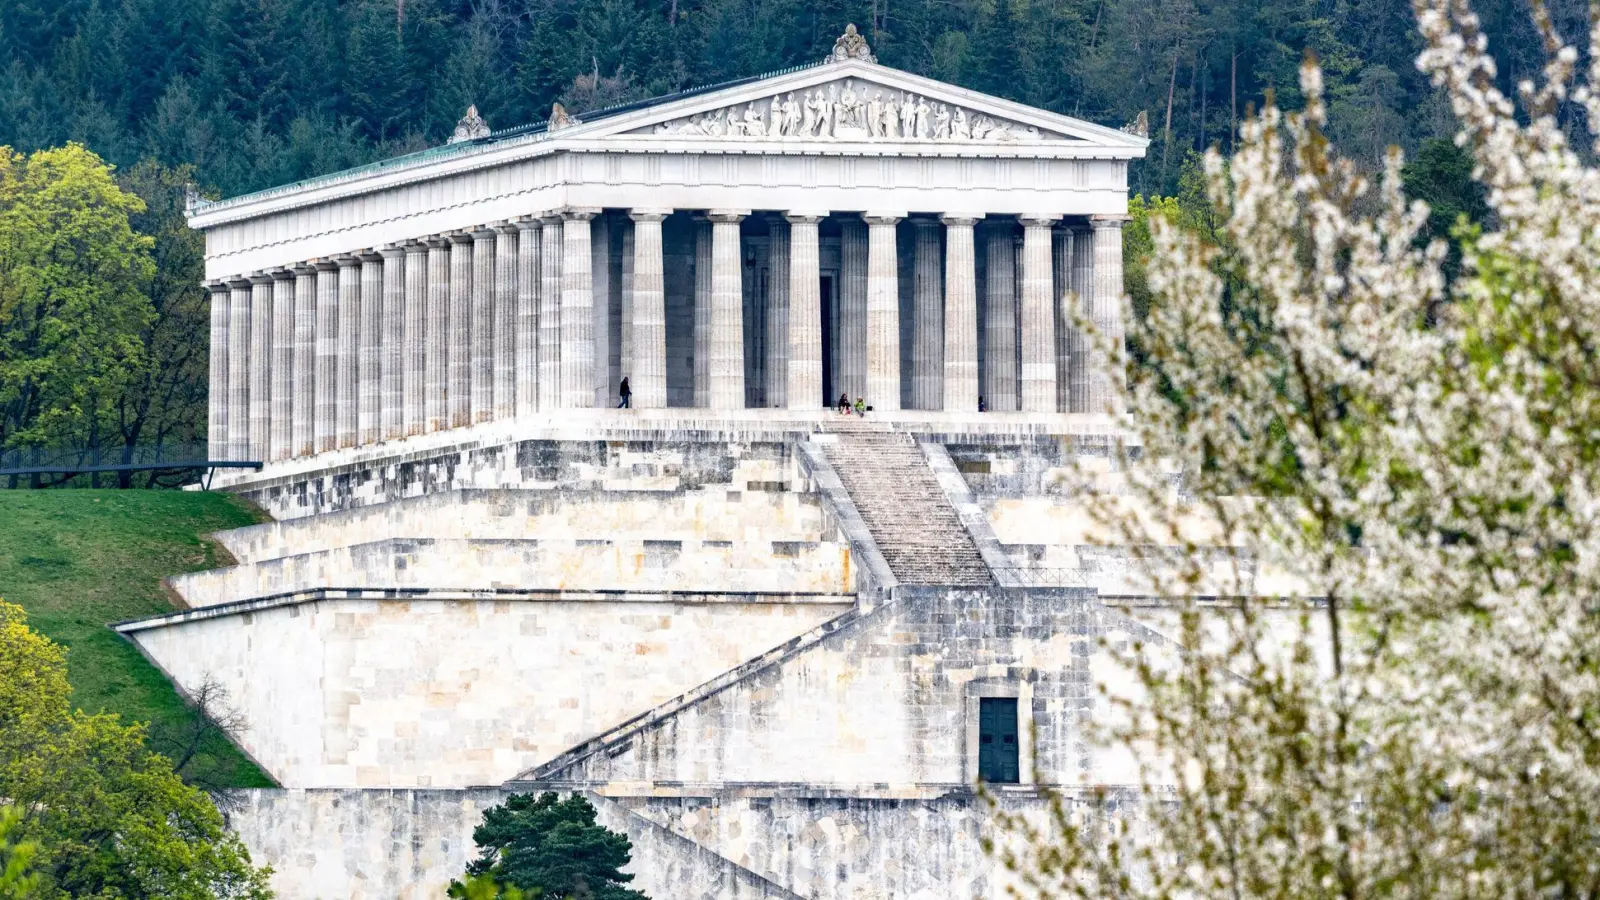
851 102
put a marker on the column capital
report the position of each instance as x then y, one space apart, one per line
284 274
303 268
1038 220
392 251
649 214
237 282
323 264
216 287
459 237
347 261
580 213
367 254
527 223
882 218
552 217
415 245
483 233
960 220
506 227
804 217
1108 221
434 241
725 216
259 277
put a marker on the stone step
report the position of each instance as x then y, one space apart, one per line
917 530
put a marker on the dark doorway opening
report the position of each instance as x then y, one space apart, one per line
826 307
998 759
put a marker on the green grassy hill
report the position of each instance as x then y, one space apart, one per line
78 560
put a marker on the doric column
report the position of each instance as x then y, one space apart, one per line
927 323
1106 374
302 428
260 368
1000 319
281 415
577 310
217 381
369 385
727 311
648 356
345 420
505 314
625 350
852 336
778 300
529 282
239 369
702 312
960 315
1038 317
552 249
325 428
804 388
458 393
1061 272
391 351
603 383
1078 339
483 325
883 314
436 359
414 343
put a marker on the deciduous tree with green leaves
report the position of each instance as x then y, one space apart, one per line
104 817
550 849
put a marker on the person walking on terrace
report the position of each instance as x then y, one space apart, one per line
627 394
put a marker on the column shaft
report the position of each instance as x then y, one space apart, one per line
727 313
436 358
529 282
883 314
1061 271
927 324
391 350
648 355
505 329
345 419
260 367
1106 372
458 393
552 251
414 359
778 301
702 313
483 325
804 388
326 418
281 440
1078 340
1038 318
303 430
577 311
852 337
603 383
1000 319
625 348
217 377
239 370
961 316
369 384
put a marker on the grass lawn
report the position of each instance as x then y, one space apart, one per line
78 560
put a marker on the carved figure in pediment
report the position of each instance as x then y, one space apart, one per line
847 110
813 110
775 117
753 125
825 106
875 115
792 115
908 116
924 114
959 129
981 126
889 118
941 122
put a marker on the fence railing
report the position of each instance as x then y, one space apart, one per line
163 465
1042 577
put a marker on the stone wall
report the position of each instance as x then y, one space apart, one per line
386 693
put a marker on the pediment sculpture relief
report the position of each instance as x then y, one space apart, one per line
843 112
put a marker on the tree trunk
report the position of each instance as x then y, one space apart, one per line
1166 133
1233 100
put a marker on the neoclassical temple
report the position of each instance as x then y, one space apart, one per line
839 228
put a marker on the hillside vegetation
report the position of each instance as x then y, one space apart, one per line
78 560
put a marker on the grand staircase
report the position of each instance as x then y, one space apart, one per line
916 529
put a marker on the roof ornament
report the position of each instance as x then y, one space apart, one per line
471 127
851 45
560 118
1140 126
